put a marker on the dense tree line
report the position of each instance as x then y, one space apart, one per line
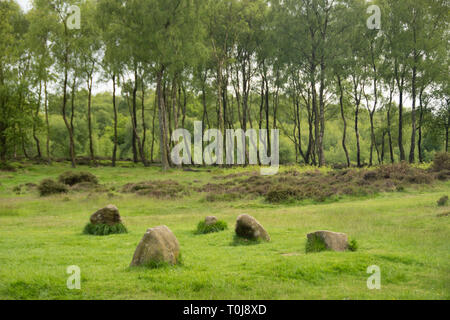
338 90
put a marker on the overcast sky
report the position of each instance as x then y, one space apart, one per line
25 4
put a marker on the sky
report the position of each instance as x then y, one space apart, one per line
25 4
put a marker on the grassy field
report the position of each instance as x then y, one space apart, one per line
405 233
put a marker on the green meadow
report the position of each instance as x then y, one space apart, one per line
405 233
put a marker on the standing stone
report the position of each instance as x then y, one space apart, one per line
333 241
249 228
108 215
158 245
211 220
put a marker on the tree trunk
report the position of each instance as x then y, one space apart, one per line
91 143
49 160
357 98
36 118
72 116
162 121
389 132
344 121
138 139
447 125
400 83
421 116
144 126
114 154
68 125
153 128
134 118
413 116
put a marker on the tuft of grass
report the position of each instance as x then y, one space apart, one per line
315 244
203 228
442 202
104 229
353 245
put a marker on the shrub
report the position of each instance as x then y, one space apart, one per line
315 244
443 175
48 187
17 190
167 189
104 229
353 245
4 166
203 228
441 162
278 195
72 178
371 175
442 202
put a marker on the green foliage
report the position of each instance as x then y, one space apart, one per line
49 187
104 229
203 228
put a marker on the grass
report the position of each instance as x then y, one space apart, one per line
315 244
203 228
404 233
104 229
